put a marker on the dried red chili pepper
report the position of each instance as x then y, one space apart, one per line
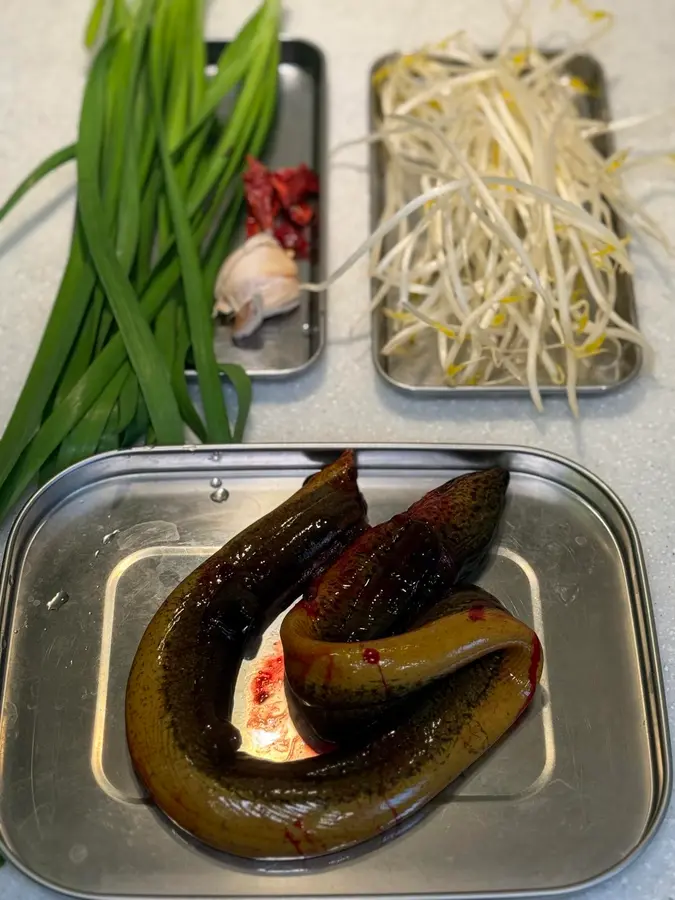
260 196
277 202
293 185
292 238
301 213
252 226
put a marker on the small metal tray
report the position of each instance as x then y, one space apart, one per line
538 814
287 345
414 373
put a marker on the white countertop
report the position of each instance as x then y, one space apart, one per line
625 438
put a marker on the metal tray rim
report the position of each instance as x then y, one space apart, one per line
433 391
649 642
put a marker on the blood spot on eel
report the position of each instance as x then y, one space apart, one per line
297 846
476 614
532 674
372 656
310 606
534 665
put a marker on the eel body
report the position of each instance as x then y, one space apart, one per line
378 628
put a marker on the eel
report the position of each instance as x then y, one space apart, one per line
389 576
180 689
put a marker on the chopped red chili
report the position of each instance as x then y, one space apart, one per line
252 226
301 213
278 202
262 202
292 238
293 185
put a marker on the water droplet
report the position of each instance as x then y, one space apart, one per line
215 456
581 540
108 537
96 553
78 854
216 482
220 495
11 579
58 600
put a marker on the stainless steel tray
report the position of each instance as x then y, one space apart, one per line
564 801
289 344
415 373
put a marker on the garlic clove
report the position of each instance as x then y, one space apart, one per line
260 268
248 319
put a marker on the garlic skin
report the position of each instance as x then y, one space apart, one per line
257 281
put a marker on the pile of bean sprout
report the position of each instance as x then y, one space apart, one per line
498 234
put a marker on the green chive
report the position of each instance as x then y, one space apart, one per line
158 198
136 333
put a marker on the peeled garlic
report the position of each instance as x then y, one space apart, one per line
259 280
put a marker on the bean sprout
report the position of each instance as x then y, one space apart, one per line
499 227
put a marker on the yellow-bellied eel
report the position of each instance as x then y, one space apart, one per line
377 631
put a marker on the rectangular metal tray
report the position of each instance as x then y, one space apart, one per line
564 801
415 373
287 345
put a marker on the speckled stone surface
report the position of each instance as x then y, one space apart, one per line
625 438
